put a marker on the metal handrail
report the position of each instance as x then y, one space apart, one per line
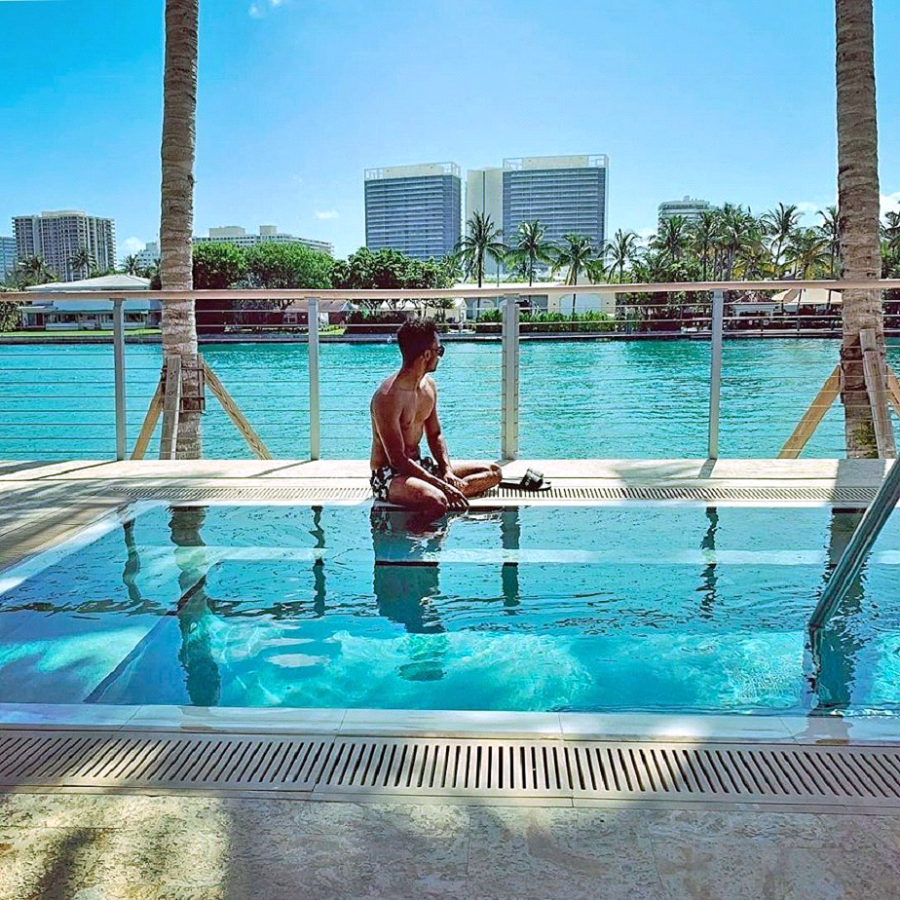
858 547
505 289
509 330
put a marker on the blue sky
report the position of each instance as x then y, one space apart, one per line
729 100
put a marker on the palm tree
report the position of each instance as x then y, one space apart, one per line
858 205
780 224
179 324
575 255
806 253
82 262
703 239
531 248
671 238
621 251
829 231
130 265
34 270
482 239
892 231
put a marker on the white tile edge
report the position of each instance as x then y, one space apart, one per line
663 728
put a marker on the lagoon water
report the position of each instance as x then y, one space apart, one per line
578 399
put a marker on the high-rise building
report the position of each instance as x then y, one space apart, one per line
566 194
414 209
234 234
688 208
7 256
484 194
57 237
148 257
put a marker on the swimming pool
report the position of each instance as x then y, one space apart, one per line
630 607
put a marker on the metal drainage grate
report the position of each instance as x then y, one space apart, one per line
757 773
247 493
838 496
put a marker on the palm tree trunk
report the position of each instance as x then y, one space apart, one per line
179 325
858 205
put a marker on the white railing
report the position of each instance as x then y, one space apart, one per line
510 336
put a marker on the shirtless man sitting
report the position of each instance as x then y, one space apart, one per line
403 408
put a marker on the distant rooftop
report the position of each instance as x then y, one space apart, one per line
417 171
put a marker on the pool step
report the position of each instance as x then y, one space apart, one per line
493 770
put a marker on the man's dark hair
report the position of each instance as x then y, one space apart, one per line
414 338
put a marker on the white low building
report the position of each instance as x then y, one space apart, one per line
91 315
537 299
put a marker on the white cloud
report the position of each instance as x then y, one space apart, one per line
327 214
890 203
255 11
133 245
275 2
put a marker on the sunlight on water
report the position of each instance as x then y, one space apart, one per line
616 608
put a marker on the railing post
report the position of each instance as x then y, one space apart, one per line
509 413
315 434
119 369
715 372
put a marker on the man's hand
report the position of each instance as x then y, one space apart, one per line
456 499
453 481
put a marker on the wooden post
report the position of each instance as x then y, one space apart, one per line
875 386
237 417
893 387
171 408
150 420
811 418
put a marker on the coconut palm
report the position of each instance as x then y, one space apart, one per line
892 231
672 237
779 224
702 239
82 262
130 265
807 253
829 231
34 270
858 205
531 248
621 251
482 239
179 325
576 256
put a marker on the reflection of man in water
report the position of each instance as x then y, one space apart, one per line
405 584
403 409
202 679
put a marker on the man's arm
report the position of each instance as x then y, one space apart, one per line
434 434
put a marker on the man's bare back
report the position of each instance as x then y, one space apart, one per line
403 410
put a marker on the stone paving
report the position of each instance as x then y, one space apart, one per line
91 847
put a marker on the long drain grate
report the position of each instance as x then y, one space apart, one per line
839 496
318 765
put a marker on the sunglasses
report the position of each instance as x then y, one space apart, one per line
440 350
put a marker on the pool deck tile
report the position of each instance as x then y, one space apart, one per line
237 720
674 728
425 723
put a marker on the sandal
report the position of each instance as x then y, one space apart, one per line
532 480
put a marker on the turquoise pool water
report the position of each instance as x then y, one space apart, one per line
578 399
592 608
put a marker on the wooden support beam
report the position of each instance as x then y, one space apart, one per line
893 387
171 408
877 390
811 418
150 420
233 412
